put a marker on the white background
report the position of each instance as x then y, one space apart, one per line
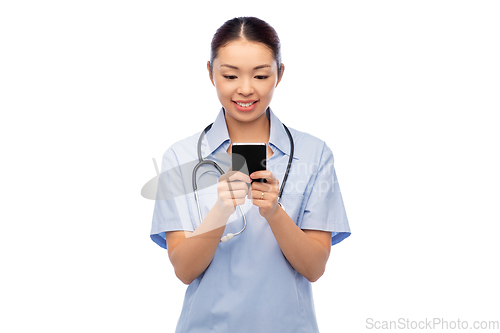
406 93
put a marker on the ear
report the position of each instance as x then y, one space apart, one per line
281 74
210 73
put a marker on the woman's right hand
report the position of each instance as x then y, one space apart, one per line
232 190
190 254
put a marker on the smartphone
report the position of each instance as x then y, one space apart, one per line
249 157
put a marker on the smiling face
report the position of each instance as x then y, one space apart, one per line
245 74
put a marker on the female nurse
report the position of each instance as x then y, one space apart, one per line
260 280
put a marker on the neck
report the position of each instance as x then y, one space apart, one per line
255 131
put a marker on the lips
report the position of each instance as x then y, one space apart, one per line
245 105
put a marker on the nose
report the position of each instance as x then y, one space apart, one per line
245 88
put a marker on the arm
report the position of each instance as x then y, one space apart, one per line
191 252
306 250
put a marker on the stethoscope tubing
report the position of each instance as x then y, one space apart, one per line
202 161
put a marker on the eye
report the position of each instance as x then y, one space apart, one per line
261 77
229 77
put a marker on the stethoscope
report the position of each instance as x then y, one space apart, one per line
203 161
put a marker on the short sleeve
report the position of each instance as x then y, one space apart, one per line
171 211
324 208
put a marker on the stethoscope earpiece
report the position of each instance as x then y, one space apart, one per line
227 237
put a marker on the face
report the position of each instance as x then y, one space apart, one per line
245 75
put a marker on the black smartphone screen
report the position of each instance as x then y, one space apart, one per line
249 157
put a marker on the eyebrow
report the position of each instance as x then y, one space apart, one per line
234 67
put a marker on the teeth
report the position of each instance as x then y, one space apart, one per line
245 105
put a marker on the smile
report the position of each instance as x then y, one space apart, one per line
245 106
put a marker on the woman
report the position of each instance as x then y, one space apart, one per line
260 280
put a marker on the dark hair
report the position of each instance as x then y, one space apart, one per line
251 29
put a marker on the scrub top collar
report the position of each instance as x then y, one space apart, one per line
278 138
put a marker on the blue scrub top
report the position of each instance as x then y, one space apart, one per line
249 286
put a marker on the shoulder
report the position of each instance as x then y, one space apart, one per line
310 148
186 143
184 150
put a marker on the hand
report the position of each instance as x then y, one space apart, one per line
232 190
265 195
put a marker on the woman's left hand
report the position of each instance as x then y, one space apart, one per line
265 195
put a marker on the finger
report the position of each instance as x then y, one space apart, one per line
264 187
265 204
228 201
265 174
233 200
237 175
233 186
238 202
224 187
225 176
233 194
256 195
